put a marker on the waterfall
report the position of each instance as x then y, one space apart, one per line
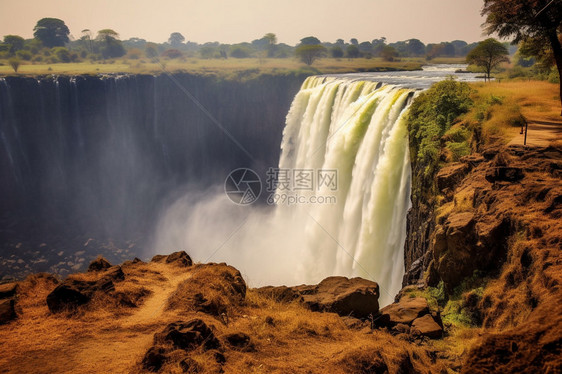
356 128
351 130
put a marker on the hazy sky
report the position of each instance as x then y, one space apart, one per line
232 21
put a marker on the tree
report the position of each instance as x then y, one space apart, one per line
415 47
354 41
528 19
388 53
271 42
14 42
336 51
271 38
52 32
310 53
111 46
87 39
310 40
151 50
14 63
488 54
352 51
176 39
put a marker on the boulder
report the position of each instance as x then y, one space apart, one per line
99 264
180 258
154 359
426 326
8 290
188 335
159 258
114 274
239 341
7 311
404 311
357 297
504 174
73 293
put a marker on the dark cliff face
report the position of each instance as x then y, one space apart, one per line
420 226
103 154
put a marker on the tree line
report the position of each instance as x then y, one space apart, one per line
53 43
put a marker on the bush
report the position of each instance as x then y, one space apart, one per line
134 54
240 52
24 55
62 54
430 116
172 53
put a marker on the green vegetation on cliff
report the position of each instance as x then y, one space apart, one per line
430 120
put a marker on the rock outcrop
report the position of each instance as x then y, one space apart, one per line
99 264
73 293
7 310
355 297
411 316
8 292
180 258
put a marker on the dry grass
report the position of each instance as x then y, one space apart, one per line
500 105
287 338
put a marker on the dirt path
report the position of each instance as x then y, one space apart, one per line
116 350
539 133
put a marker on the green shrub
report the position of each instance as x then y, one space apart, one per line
24 55
62 54
430 116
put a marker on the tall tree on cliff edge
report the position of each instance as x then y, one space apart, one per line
523 20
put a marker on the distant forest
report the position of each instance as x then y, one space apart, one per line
53 43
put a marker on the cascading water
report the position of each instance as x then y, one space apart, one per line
356 128
354 228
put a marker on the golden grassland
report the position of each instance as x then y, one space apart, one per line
221 66
501 108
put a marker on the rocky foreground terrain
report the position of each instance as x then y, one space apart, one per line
484 296
173 316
